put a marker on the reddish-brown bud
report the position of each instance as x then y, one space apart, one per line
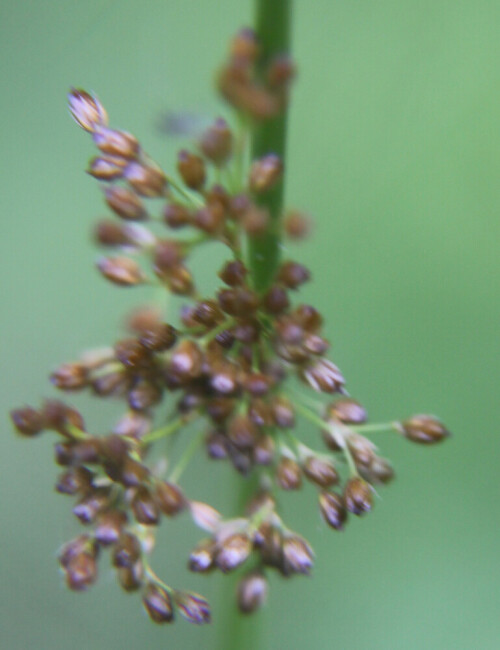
276 300
110 526
346 410
86 110
242 431
210 219
176 216
159 338
75 480
233 273
130 578
28 421
169 498
320 471
122 271
288 474
233 552
265 173
147 180
297 555
192 169
201 558
297 225
252 592
255 221
110 233
282 412
125 203
424 429
127 551
70 376
81 571
158 604
216 142
192 607
244 45
292 274
88 508
144 507
116 143
186 360
323 376
358 496
106 168
333 510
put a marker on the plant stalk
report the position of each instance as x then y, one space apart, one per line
272 26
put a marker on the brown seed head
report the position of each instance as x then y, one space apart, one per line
216 142
297 225
147 180
288 474
233 552
292 274
424 429
28 421
192 169
122 271
320 471
125 203
297 555
201 559
252 592
358 496
176 215
265 173
116 143
144 507
158 603
169 498
346 410
193 607
130 578
333 510
106 168
109 527
127 551
86 110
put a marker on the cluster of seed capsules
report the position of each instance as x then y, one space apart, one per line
228 365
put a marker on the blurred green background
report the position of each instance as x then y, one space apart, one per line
395 150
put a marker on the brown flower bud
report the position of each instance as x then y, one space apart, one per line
63 453
252 592
333 510
220 408
180 281
265 173
110 233
116 143
297 555
233 552
122 271
86 110
125 203
362 450
81 544
242 431
358 496
282 412
216 142
186 360
144 507
127 551
106 168
159 338
192 169
109 527
233 273
81 571
176 215
192 607
210 219
323 376
424 429
201 559
70 376
297 225
147 180
308 317
169 498
379 471
255 221
204 516
88 508
133 472
130 353
130 578
244 45
75 480
257 384
320 471
58 416
28 421
346 410
288 474
158 604
224 378
276 300
238 302
144 394
281 71
292 274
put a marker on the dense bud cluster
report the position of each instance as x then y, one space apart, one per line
229 364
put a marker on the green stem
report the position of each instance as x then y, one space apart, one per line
272 25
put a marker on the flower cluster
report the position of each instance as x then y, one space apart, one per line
233 359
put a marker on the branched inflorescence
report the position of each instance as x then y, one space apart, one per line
227 369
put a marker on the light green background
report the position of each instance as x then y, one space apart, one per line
395 149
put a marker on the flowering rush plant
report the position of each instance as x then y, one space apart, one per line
235 369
